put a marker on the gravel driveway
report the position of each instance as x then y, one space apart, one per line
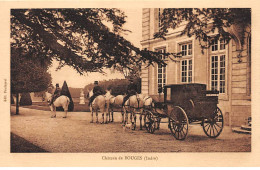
77 134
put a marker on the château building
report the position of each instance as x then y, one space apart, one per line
223 67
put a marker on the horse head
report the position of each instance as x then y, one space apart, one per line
108 94
48 96
90 93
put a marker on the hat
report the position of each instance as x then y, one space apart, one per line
96 82
57 85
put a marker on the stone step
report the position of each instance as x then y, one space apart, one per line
246 127
239 130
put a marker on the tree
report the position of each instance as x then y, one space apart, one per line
201 22
80 38
27 75
12 99
26 99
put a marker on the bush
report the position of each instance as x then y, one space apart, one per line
65 91
118 86
25 99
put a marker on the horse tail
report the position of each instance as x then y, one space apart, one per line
68 101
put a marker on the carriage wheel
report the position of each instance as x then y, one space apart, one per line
178 123
213 126
149 121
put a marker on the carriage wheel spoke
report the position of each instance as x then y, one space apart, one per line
182 132
208 128
216 129
213 131
207 125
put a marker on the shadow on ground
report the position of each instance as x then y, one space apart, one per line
20 145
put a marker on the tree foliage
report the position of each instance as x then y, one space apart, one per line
201 22
27 75
86 39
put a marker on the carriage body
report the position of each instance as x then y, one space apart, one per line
184 104
197 102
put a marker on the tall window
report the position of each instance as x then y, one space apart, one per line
186 71
218 66
186 63
161 71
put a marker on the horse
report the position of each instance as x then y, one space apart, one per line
114 102
61 101
134 103
99 103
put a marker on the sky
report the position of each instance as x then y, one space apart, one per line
74 79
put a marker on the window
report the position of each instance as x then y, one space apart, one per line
218 71
218 45
186 71
186 49
186 62
161 71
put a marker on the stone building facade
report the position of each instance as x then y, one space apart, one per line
223 67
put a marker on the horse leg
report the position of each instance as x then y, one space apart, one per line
102 118
131 117
66 111
106 114
53 114
125 117
54 111
91 116
109 111
158 125
122 113
140 118
97 116
133 122
112 115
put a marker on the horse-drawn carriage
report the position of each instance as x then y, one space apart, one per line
184 104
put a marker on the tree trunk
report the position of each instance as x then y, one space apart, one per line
17 103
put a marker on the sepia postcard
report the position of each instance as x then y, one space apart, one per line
129 83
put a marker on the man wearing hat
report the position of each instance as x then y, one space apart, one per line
97 90
131 90
56 93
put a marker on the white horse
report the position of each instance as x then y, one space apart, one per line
135 104
114 102
61 101
98 104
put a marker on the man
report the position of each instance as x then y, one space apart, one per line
97 90
56 94
131 90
